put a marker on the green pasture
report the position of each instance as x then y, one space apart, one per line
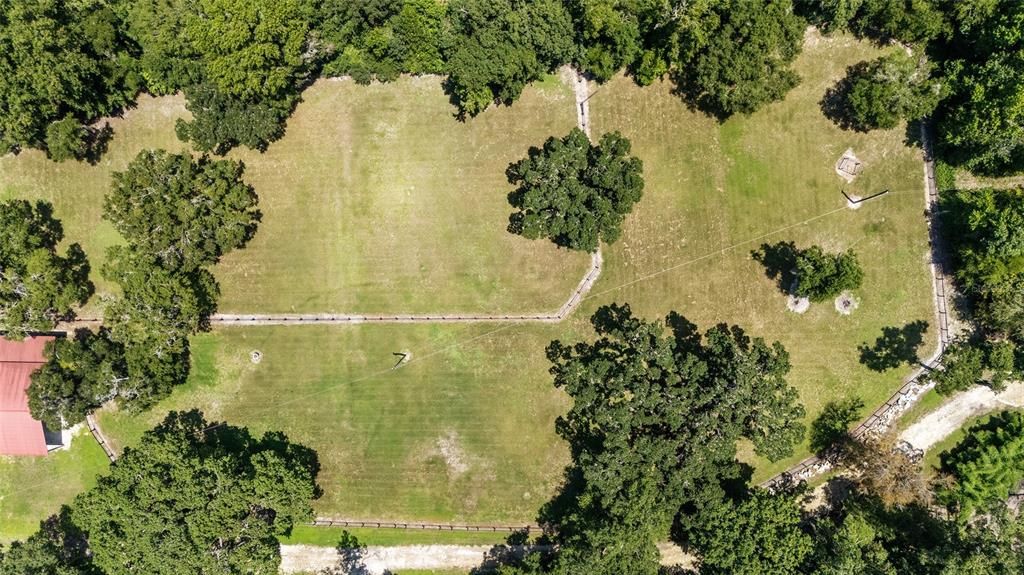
375 200
33 488
331 536
77 189
464 432
378 200
715 192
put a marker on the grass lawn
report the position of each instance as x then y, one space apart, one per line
375 200
378 200
330 536
32 489
463 432
717 191
77 189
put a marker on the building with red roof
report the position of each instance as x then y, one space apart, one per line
19 433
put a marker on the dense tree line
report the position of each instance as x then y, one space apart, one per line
986 465
242 64
62 64
652 433
193 496
974 86
985 231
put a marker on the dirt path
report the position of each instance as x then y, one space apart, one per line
582 93
946 420
376 560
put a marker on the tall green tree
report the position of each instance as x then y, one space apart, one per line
184 213
832 427
758 535
79 375
374 39
60 59
221 122
909 21
739 60
240 63
821 276
58 548
852 547
986 465
980 126
985 229
500 46
643 402
38 287
575 193
252 49
963 366
608 32
890 89
198 497
152 319
168 60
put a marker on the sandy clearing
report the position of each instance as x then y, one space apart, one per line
944 421
378 560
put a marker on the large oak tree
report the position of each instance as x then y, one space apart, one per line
575 193
183 212
38 286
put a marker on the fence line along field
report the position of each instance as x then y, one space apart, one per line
712 185
376 199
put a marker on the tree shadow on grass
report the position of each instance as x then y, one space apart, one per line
779 261
97 142
513 552
895 347
835 104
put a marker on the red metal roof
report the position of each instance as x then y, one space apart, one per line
14 382
29 349
19 433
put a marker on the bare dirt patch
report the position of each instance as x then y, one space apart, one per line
797 304
454 456
846 303
848 166
963 407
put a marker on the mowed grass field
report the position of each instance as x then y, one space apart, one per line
375 200
462 432
77 189
378 200
465 431
33 488
715 192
